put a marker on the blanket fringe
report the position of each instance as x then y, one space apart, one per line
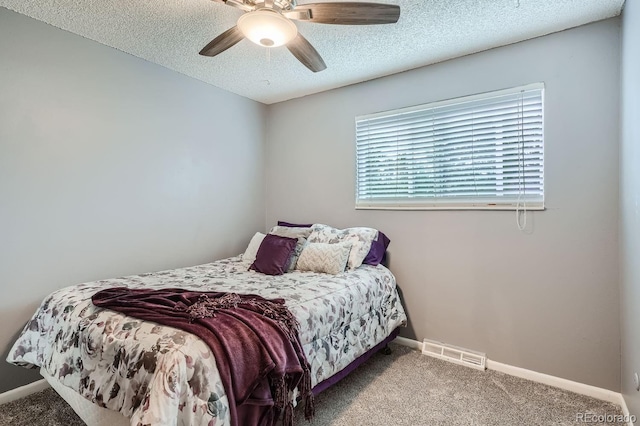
307 392
279 392
309 407
207 307
287 419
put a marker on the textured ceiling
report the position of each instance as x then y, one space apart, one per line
172 32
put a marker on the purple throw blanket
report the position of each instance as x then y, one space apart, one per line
254 341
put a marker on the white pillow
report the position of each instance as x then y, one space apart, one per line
360 238
322 257
290 232
252 249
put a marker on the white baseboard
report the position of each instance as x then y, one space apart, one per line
413 344
558 382
23 391
534 376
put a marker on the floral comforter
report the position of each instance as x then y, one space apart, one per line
159 375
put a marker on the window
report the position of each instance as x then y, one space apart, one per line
477 152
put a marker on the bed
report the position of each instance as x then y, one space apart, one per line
115 369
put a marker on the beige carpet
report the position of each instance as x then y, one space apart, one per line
405 388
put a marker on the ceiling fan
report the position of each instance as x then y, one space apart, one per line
269 23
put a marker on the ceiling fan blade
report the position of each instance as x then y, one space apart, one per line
240 5
300 15
222 42
306 53
349 13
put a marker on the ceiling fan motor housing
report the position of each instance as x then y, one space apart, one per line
267 27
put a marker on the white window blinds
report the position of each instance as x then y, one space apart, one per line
482 151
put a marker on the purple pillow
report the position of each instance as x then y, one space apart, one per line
377 251
273 254
294 225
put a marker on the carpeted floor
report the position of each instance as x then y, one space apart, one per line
404 388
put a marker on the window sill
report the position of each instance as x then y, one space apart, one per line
498 207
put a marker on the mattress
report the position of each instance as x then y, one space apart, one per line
159 375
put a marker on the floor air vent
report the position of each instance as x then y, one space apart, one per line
454 354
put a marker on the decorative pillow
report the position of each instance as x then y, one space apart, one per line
295 254
252 249
286 231
360 238
323 257
378 250
294 225
273 254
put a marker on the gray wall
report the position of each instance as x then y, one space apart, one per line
110 165
629 201
545 300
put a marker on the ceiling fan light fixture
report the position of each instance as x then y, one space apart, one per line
267 28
